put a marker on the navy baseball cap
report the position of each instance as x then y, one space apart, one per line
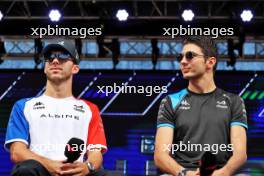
63 45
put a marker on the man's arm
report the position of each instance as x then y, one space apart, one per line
19 152
95 157
239 157
162 158
96 146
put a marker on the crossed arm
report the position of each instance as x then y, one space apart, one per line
166 163
19 152
162 158
239 157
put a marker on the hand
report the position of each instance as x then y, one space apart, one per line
74 169
193 173
221 172
54 167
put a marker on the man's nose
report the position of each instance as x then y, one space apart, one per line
184 61
55 61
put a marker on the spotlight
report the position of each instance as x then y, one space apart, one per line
122 15
1 15
55 15
188 15
246 15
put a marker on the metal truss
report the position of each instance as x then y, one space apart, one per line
138 9
134 48
19 46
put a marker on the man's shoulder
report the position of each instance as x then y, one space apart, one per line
228 95
88 103
177 97
179 93
21 102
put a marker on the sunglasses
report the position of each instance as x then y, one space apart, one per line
62 57
189 55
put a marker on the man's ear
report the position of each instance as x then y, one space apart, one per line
211 61
75 69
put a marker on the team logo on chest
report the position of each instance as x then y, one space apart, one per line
221 104
79 108
39 105
185 105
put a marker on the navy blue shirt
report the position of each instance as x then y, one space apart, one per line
202 122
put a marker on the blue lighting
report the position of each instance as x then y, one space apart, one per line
261 114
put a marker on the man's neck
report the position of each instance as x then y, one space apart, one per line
58 90
204 84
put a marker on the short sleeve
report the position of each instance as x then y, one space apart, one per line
18 127
165 114
96 135
239 114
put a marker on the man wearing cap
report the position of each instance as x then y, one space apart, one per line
40 127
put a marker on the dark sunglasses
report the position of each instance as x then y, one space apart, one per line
189 55
62 57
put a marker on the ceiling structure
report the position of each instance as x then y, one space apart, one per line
146 18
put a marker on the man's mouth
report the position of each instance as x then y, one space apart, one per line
185 70
55 69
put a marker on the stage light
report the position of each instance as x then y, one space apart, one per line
122 15
54 15
1 15
188 15
246 15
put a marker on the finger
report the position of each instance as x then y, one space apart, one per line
68 166
71 171
78 174
78 164
57 172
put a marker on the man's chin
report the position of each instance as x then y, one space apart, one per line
55 78
192 76
187 76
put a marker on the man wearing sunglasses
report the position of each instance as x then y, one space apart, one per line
40 127
201 115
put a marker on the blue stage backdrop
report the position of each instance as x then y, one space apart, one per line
130 118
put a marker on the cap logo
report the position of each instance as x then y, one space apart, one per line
61 43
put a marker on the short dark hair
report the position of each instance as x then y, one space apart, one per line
206 43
